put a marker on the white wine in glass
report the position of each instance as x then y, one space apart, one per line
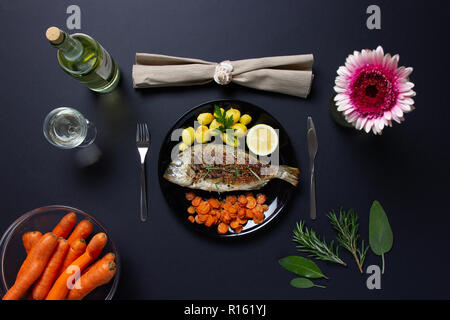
67 128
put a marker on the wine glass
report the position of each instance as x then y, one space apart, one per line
67 128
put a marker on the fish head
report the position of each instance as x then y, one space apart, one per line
179 172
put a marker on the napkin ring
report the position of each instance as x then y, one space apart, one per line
223 73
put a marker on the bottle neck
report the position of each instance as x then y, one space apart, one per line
70 47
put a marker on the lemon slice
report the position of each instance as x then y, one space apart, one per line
262 139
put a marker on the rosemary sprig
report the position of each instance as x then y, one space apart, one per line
209 168
347 226
254 173
308 242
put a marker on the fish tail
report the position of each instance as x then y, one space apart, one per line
289 174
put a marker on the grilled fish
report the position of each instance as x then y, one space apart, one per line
223 168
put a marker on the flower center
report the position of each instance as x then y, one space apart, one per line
372 92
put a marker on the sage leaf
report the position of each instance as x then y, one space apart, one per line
301 266
304 283
380 233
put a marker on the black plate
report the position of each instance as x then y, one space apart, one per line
277 191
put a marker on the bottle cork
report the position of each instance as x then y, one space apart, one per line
54 35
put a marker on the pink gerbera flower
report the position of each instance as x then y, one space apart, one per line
372 90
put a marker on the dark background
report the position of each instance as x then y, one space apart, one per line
406 168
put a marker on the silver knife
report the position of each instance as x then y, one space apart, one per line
312 150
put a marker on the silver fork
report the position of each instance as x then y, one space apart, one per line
143 143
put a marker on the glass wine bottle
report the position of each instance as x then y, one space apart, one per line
84 59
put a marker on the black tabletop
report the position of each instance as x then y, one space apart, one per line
406 168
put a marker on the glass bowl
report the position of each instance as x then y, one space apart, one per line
44 219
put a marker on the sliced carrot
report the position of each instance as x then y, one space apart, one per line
65 225
29 239
249 213
251 202
209 221
214 203
241 212
42 286
197 219
191 219
191 210
242 221
33 266
81 231
234 224
203 208
231 199
196 202
261 198
238 229
258 208
222 228
242 200
190 196
265 207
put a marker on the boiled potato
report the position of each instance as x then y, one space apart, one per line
213 127
230 140
202 134
235 113
205 118
239 129
245 119
187 135
182 146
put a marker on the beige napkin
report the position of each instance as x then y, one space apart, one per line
284 74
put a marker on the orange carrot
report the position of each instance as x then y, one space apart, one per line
29 239
76 249
222 228
251 202
65 225
191 210
191 219
214 203
33 266
99 274
261 198
204 207
81 231
60 288
190 196
196 202
42 286
242 200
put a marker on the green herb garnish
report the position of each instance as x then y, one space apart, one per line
380 233
347 226
236 170
304 283
308 242
209 168
254 173
220 116
302 267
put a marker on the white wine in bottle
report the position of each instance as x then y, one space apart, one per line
84 59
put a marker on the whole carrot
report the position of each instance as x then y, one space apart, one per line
107 257
33 266
62 284
77 248
99 274
42 286
81 231
29 239
65 225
